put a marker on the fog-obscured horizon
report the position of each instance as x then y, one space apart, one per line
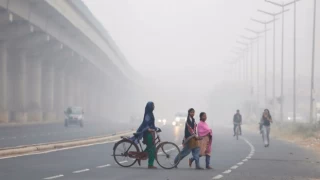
182 49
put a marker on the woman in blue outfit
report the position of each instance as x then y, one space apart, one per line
146 131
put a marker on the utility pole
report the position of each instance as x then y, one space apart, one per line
274 58
312 62
265 23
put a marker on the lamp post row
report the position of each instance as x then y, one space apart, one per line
282 57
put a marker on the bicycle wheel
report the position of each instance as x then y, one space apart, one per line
121 153
166 153
237 132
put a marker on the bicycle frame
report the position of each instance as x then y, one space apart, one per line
156 141
237 130
137 154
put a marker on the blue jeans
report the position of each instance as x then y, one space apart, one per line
207 160
186 151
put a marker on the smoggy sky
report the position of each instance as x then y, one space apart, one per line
186 43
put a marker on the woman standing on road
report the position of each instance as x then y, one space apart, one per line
147 130
265 122
190 141
205 133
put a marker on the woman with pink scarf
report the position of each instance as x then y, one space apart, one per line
205 133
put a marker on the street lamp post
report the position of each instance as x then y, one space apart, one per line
258 60
265 23
274 58
282 44
251 39
246 58
239 54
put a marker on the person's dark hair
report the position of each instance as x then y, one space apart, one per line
269 115
190 110
201 114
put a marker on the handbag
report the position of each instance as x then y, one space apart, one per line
193 143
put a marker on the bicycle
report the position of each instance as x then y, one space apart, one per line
131 156
237 132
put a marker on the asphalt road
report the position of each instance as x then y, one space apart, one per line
11 136
243 159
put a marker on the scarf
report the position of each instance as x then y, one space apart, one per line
205 130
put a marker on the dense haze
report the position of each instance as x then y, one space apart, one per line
183 48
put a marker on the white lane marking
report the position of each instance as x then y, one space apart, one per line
252 150
227 171
102 166
167 150
123 161
218 177
234 167
53 177
2 138
80 171
49 134
24 136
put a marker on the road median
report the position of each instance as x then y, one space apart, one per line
34 148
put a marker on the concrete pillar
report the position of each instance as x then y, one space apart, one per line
34 84
69 85
59 102
88 98
77 90
4 116
82 94
48 92
19 87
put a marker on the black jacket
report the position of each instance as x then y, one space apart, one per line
237 120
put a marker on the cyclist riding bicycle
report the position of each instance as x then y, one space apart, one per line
237 121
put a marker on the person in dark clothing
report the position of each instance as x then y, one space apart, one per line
146 131
237 121
190 141
265 122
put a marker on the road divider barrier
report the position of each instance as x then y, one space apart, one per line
27 149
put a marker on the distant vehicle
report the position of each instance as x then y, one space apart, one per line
299 118
162 121
74 116
180 119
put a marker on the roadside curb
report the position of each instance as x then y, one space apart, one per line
20 150
11 124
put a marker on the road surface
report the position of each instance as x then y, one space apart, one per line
43 133
243 159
